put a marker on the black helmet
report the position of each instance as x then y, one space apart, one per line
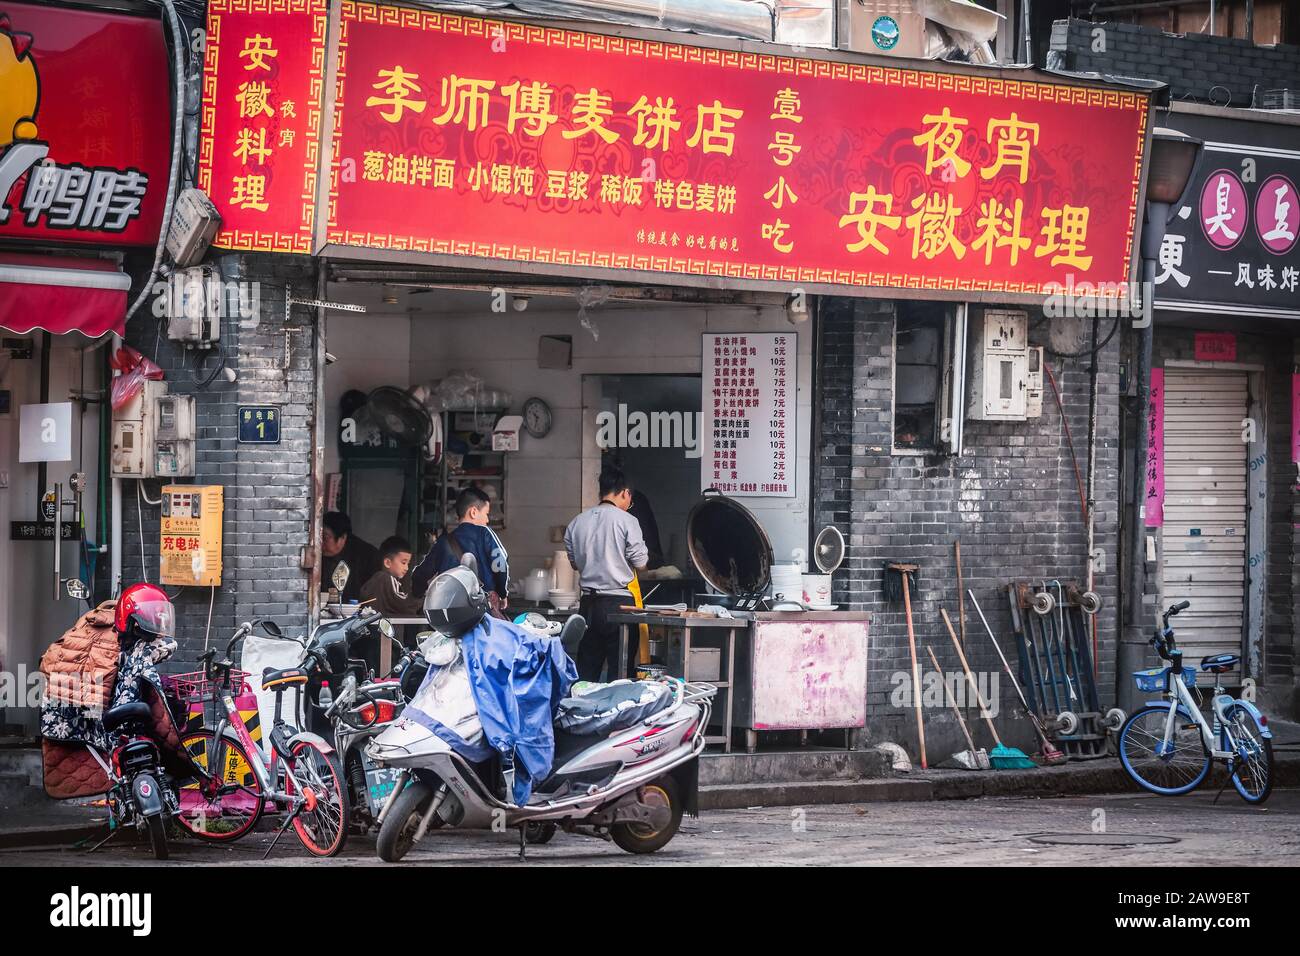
455 602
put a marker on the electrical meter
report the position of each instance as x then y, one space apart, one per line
190 545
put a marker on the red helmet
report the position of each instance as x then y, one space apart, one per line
144 611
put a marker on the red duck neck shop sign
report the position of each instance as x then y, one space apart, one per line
458 136
85 126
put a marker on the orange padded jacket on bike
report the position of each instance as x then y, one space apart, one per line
81 667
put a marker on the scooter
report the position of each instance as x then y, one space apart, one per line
631 782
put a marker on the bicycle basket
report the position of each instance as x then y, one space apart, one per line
195 688
1155 680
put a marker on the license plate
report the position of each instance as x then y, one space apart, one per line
379 785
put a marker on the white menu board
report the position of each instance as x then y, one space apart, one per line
749 420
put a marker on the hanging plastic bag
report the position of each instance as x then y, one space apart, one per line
135 369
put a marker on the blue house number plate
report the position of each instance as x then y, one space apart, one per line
259 424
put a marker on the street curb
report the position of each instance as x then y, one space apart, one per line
1074 779
63 834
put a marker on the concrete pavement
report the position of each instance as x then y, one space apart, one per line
1098 830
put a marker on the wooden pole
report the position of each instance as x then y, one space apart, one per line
916 671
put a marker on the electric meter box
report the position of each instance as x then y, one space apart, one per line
190 535
153 435
1034 392
194 306
999 367
195 221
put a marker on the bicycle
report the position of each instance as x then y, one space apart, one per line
310 785
1168 748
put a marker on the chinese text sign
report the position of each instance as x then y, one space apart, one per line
459 135
259 152
1155 483
85 126
749 433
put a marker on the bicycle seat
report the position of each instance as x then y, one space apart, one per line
1219 663
272 678
115 717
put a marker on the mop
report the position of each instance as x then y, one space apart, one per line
1001 756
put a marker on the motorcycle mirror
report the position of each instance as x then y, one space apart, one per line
77 589
385 628
340 576
272 629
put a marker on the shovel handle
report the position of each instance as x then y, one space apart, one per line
947 694
961 656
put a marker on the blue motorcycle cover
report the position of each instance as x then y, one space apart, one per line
519 678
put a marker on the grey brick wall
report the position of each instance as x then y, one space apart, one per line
1011 498
268 488
1192 64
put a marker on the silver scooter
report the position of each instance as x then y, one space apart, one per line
628 783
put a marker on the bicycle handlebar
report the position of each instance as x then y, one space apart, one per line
1163 641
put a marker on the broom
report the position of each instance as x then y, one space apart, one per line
1001 756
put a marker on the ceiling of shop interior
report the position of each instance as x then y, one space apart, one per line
454 301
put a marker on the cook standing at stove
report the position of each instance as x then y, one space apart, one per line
606 546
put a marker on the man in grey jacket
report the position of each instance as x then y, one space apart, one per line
605 544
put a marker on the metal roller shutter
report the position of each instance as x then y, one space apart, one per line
1203 558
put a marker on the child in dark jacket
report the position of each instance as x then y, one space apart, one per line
387 587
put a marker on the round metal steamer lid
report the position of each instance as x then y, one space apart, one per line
728 546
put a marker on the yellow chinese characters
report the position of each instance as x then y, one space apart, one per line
714 128
407 170
258 52
464 102
1064 235
934 226
590 111
254 99
999 227
655 124
249 192
530 106
941 142
1012 139
254 102
700 197
397 85
868 212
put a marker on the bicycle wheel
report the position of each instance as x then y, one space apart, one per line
1178 768
230 806
1252 767
322 823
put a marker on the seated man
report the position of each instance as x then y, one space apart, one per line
338 543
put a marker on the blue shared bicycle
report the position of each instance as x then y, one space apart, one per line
1168 746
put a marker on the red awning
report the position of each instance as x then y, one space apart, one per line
62 295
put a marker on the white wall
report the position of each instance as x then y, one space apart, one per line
30 618
544 479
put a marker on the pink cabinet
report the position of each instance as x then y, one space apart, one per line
803 671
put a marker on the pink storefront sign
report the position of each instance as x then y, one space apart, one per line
1155 494
1215 347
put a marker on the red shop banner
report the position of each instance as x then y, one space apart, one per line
85 125
259 149
474 137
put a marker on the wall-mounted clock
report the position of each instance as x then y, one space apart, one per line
537 417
